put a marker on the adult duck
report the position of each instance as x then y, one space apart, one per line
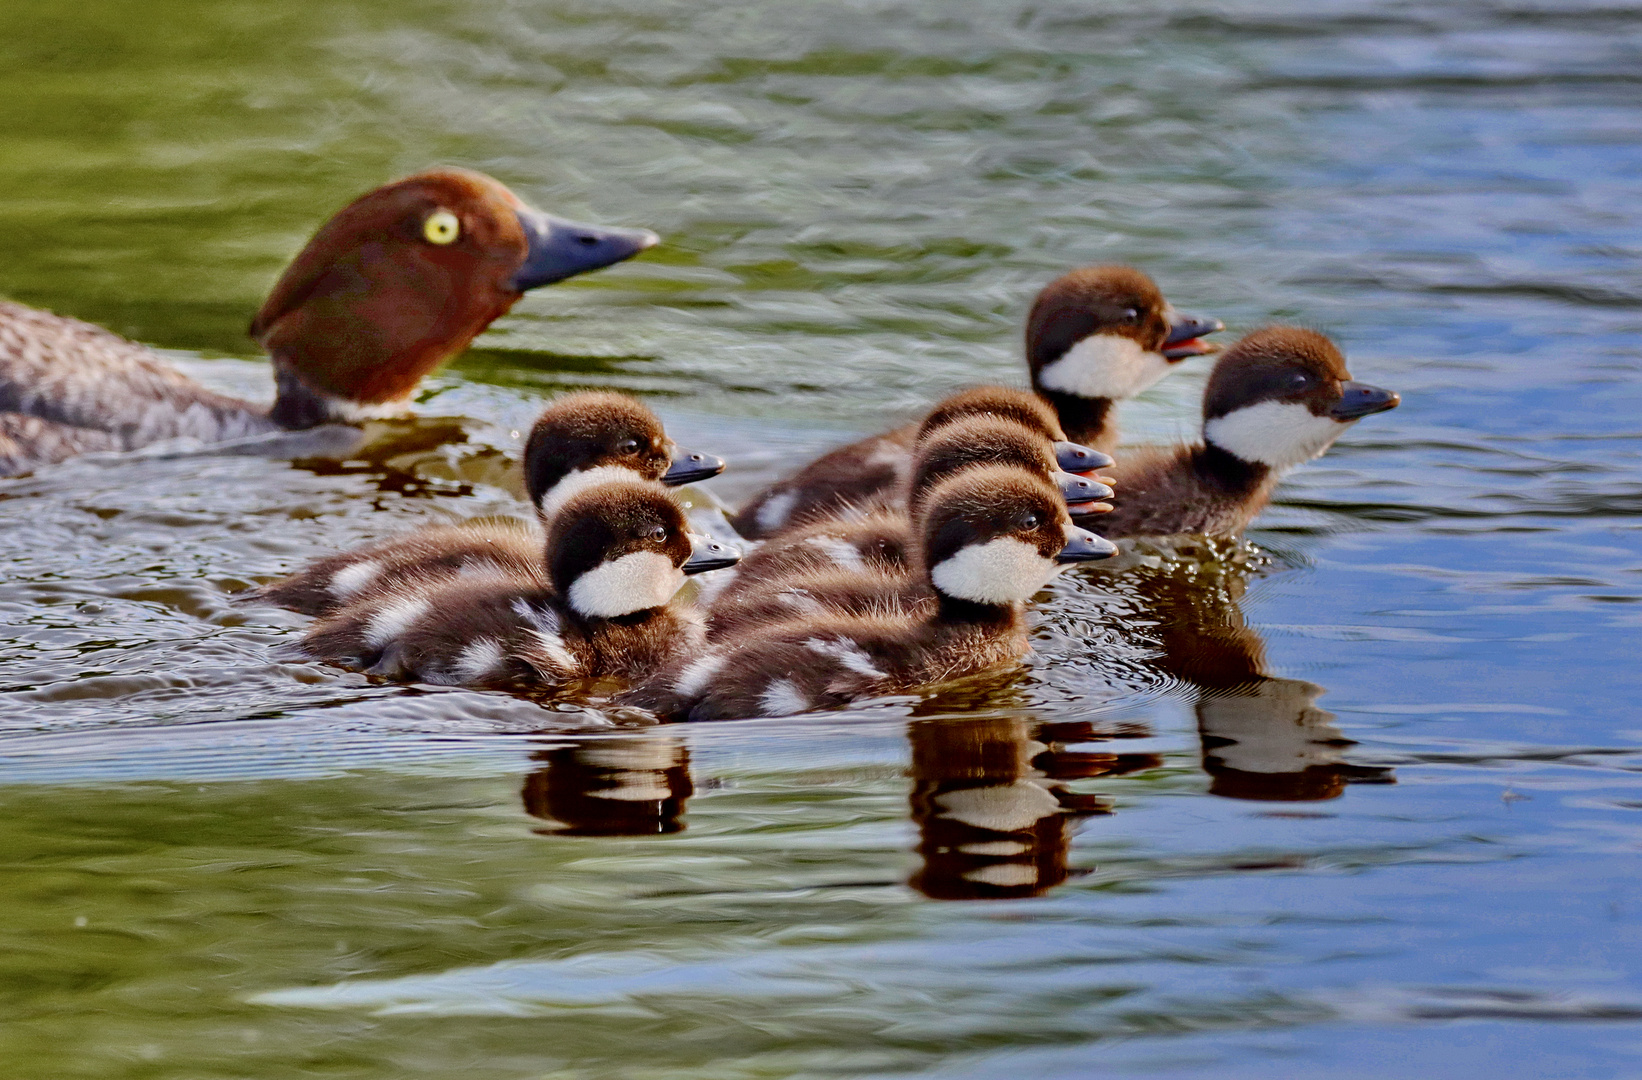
394 285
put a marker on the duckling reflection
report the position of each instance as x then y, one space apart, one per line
994 815
631 785
1263 736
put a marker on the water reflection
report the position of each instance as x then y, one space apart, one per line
626 786
994 813
1263 736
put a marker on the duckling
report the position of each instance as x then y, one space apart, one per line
598 606
578 441
992 536
1104 334
831 591
1276 399
395 284
1095 336
869 475
862 565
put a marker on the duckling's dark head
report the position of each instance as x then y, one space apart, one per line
990 440
618 547
1282 395
995 534
1107 333
580 436
998 402
590 430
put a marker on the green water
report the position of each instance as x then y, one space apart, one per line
1358 799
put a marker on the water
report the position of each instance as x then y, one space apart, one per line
1359 799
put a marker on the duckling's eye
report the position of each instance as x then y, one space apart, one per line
628 446
441 227
1030 520
1299 380
658 533
1131 315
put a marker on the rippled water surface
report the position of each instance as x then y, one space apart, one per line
1360 799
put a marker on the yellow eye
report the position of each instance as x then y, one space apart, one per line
441 227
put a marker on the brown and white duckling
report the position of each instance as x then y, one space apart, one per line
1104 334
871 474
861 566
1095 336
990 539
1276 399
597 606
580 440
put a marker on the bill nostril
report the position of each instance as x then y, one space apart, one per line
587 240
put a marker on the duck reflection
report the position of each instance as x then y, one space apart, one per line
631 785
1263 736
994 814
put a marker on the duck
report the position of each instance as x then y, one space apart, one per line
396 283
861 566
598 606
991 538
1100 335
870 475
1276 399
579 441
1095 336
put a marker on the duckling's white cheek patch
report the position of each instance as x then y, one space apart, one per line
349 580
1104 366
1002 571
634 582
1280 434
554 498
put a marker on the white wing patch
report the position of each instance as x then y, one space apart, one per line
1001 571
477 659
393 619
351 579
540 618
553 648
554 498
544 631
1104 366
634 582
693 679
1281 434
480 567
890 453
776 509
799 600
783 698
847 653
840 551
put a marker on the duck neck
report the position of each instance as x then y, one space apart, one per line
1085 420
297 405
968 615
1222 471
